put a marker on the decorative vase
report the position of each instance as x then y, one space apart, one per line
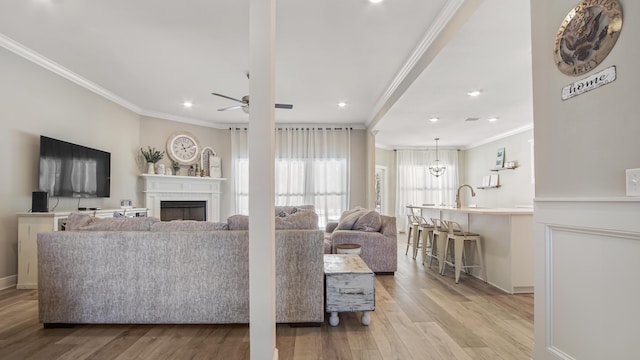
160 169
151 168
176 171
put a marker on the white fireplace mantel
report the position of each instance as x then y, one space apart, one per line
159 188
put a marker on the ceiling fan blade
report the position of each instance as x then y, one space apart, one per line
232 107
228 97
284 106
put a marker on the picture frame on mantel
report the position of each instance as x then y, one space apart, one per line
500 158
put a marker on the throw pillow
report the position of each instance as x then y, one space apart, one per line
348 221
330 227
349 212
370 221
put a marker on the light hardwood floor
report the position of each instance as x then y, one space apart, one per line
419 315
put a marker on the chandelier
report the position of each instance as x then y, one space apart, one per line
436 169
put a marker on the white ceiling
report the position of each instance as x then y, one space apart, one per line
383 60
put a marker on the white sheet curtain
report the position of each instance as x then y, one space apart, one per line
312 167
416 186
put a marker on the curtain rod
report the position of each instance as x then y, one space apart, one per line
302 128
425 149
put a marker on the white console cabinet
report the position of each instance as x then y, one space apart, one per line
30 224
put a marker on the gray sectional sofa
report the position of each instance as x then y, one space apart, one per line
176 272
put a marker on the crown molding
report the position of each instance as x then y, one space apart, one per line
500 136
420 58
38 59
182 119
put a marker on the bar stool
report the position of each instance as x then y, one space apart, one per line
460 238
414 230
429 248
439 236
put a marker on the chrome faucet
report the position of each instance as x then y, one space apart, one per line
473 193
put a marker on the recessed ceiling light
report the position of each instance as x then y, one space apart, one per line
492 119
474 93
187 104
375 1
433 119
342 104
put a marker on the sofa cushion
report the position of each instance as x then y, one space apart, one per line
289 209
369 221
189 225
348 221
77 220
119 224
238 222
301 219
330 227
327 244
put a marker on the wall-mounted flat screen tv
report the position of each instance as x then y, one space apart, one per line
71 170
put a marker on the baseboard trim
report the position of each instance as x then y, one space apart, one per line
9 281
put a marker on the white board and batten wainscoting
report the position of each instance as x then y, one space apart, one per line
158 188
587 282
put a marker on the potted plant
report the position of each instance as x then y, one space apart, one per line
176 167
152 156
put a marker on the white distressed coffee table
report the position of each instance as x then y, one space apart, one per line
350 286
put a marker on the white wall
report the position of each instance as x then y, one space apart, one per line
587 232
387 158
516 187
358 163
35 102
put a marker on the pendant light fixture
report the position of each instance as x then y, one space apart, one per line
436 169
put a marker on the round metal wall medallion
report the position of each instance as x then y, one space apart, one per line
587 35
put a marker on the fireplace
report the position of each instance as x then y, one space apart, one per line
183 189
183 210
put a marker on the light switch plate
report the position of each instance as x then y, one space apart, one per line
633 182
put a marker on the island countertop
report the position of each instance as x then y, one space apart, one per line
507 242
480 210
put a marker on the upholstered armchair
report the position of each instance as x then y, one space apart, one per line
375 233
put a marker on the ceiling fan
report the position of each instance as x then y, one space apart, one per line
245 103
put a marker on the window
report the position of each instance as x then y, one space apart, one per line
311 167
416 186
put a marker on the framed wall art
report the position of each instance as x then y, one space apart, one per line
500 158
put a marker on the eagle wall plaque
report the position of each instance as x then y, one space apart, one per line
587 35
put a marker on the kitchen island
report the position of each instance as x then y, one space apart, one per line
507 242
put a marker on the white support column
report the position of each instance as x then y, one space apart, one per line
262 284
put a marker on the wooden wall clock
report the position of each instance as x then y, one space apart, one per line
183 147
587 35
